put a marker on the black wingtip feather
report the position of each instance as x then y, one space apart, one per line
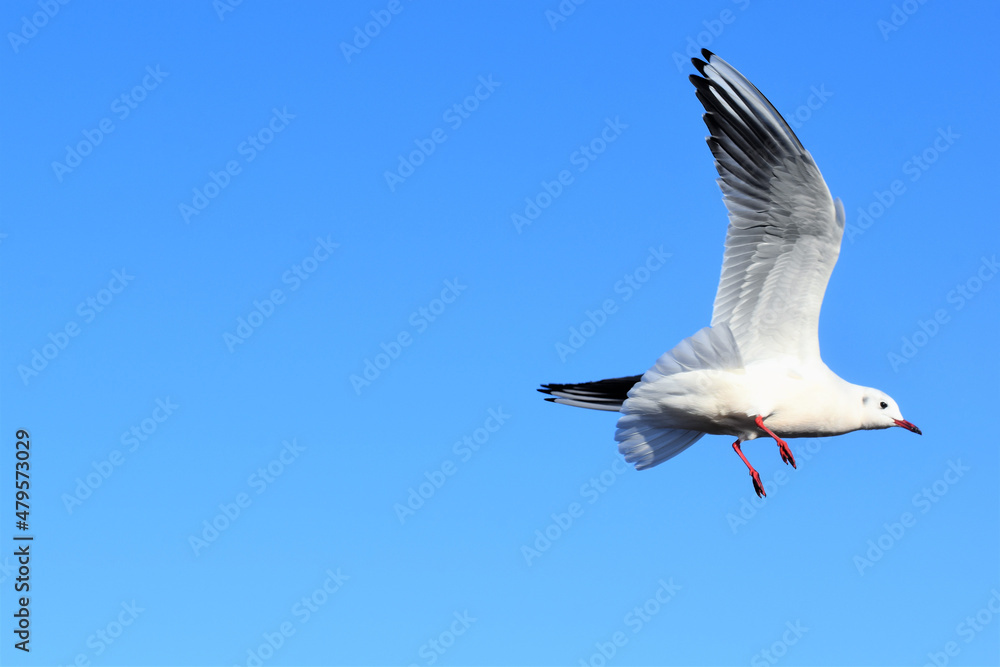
705 83
610 389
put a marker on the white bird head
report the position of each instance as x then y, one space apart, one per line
878 410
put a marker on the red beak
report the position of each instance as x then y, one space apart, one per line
907 425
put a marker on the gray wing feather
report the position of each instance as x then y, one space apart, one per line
784 227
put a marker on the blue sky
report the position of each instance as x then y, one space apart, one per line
277 294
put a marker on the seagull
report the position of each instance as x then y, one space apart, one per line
756 371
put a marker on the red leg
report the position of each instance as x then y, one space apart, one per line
786 453
757 486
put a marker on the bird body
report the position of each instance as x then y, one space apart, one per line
756 371
724 402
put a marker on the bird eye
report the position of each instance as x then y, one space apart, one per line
883 405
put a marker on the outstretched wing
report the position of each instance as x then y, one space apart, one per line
784 227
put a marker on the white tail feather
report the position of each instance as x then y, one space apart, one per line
647 446
643 437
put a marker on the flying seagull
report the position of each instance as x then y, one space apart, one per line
756 371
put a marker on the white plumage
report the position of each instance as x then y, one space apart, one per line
757 369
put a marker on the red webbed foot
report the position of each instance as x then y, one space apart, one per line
757 486
786 453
